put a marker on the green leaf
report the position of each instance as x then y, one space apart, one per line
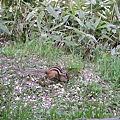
81 15
117 11
39 23
80 22
106 36
103 16
118 47
107 25
91 36
76 30
42 13
114 31
21 26
97 22
78 3
107 13
1 10
81 33
90 25
28 5
4 28
53 28
53 12
44 35
56 37
113 51
70 43
65 18
30 15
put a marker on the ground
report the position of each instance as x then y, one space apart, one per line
85 91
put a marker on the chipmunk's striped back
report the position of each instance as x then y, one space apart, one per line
60 71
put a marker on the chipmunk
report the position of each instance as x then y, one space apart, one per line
52 72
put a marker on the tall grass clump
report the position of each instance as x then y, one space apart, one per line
109 68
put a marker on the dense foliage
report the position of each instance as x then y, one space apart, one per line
42 33
87 25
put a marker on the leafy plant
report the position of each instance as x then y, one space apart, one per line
86 25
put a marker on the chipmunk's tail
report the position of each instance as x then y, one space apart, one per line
31 71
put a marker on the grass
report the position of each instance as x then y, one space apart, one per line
21 97
111 68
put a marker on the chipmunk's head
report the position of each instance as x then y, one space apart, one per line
64 76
